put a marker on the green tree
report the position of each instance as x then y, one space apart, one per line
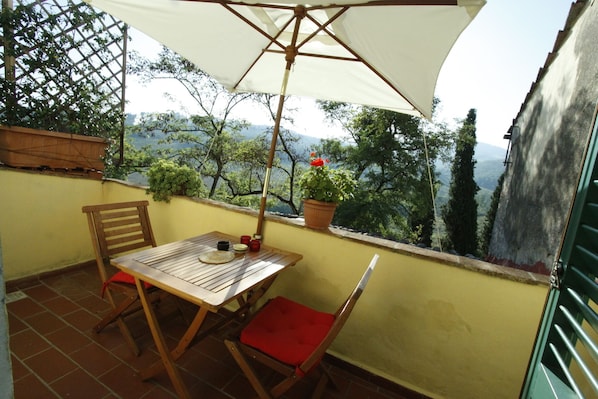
422 213
389 159
460 213
490 217
210 142
207 142
289 163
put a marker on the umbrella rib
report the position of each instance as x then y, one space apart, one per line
314 55
321 27
272 39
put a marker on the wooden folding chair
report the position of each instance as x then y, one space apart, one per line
115 229
291 339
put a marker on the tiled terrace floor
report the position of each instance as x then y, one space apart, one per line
55 353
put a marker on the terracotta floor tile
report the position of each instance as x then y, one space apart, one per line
109 338
18 369
27 343
94 359
23 308
41 293
94 304
68 287
147 357
159 393
82 320
207 369
45 322
238 386
50 364
205 391
15 324
61 306
31 387
68 339
79 385
125 382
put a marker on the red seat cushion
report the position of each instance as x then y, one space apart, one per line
122 277
287 330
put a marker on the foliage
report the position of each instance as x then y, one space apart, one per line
53 84
322 183
389 160
460 213
490 217
210 142
167 179
422 214
135 160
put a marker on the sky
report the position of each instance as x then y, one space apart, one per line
490 68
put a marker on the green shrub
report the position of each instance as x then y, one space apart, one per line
167 179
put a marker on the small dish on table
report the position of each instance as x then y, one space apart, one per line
240 248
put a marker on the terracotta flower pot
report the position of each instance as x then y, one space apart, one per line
318 214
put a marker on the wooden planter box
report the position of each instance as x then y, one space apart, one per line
31 148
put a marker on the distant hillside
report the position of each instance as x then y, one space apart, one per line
489 165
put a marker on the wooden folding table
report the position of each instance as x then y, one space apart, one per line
176 268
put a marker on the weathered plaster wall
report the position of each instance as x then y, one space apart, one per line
548 144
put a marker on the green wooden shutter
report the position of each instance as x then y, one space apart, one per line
564 363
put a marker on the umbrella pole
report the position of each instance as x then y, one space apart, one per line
290 54
260 220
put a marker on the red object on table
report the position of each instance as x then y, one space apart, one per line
254 245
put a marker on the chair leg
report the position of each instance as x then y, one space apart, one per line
247 370
128 336
323 381
115 313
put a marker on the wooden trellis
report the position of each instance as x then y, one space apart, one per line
63 67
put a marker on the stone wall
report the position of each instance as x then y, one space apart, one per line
549 136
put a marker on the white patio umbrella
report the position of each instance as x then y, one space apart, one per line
384 54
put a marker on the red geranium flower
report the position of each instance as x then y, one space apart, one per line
317 162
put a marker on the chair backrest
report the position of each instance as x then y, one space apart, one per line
118 228
341 316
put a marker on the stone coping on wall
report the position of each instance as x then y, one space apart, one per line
462 262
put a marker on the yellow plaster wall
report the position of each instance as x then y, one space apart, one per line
41 223
424 321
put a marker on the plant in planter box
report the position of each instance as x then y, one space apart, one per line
323 188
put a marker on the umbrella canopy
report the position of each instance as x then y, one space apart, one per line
384 54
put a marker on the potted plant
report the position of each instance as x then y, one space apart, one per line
323 189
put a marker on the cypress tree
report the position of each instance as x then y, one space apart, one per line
461 211
490 217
